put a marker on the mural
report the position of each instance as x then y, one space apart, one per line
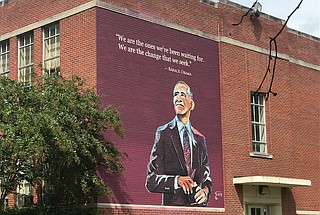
161 80
179 164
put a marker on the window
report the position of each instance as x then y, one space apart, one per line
258 210
24 195
4 58
51 53
258 123
26 58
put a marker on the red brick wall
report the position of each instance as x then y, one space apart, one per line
38 43
14 58
78 46
304 122
12 200
292 124
31 11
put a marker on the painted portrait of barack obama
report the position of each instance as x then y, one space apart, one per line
179 166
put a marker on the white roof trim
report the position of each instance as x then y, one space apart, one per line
308 212
271 181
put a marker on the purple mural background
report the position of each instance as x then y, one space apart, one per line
138 64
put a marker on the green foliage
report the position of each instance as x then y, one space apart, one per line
87 210
53 132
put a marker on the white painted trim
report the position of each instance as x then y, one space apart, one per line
260 155
272 181
155 207
114 8
308 212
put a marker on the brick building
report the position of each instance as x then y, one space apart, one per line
264 155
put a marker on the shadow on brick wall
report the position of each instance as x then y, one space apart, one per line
117 186
257 28
288 202
117 194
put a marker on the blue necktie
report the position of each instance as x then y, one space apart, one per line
186 150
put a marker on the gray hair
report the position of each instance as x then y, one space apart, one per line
184 83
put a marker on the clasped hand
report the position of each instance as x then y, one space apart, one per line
187 183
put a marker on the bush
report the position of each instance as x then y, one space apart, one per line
86 210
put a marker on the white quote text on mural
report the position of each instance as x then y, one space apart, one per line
158 52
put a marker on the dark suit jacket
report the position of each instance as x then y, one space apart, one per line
167 161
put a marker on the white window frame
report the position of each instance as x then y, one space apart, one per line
5 58
25 61
25 194
51 49
258 123
264 209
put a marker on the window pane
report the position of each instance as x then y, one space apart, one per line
258 123
46 49
57 29
21 41
262 148
8 62
52 31
262 133
28 55
261 115
51 56
21 75
22 57
52 47
26 58
253 132
2 62
257 133
46 32
257 114
253 211
4 58
258 211
32 55
252 114
31 39
27 74
3 48
57 46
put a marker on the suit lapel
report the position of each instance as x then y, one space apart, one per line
175 140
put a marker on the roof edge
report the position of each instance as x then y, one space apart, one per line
271 181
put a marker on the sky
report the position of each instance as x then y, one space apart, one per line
306 19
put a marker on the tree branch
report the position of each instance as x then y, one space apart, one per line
273 40
246 14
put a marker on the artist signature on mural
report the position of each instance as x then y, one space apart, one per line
217 194
179 71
